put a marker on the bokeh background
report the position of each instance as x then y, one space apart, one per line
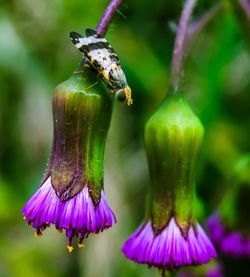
36 54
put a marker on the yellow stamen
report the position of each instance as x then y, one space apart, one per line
81 245
70 248
37 235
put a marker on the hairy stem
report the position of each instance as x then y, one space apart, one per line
107 16
178 52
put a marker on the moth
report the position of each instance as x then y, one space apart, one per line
102 57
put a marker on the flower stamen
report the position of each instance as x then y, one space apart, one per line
70 247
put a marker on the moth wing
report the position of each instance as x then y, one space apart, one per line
75 37
90 33
80 42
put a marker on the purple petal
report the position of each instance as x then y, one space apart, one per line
169 249
78 215
248 247
215 228
230 243
233 245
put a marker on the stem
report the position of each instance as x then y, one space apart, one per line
242 13
178 52
107 16
246 7
199 24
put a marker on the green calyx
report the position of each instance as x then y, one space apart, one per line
173 138
82 109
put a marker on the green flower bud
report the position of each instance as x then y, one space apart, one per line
71 196
170 237
173 138
82 113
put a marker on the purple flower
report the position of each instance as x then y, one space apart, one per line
229 243
71 196
77 216
229 227
169 249
233 244
216 228
171 237
248 247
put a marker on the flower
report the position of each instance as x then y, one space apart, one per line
170 236
71 196
78 216
229 227
230 243
215 228
169 249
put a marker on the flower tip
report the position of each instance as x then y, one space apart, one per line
44 208
37 235
70 248
81 245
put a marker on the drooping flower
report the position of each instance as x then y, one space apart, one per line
71 196
170 237
229 227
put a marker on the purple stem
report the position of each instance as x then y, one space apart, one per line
199 24
178 53
107 16
246 7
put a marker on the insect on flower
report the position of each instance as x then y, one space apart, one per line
102 57
71 196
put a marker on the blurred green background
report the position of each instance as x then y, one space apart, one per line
36 54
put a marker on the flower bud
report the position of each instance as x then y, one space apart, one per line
171 237
71 195
81 123
173 138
